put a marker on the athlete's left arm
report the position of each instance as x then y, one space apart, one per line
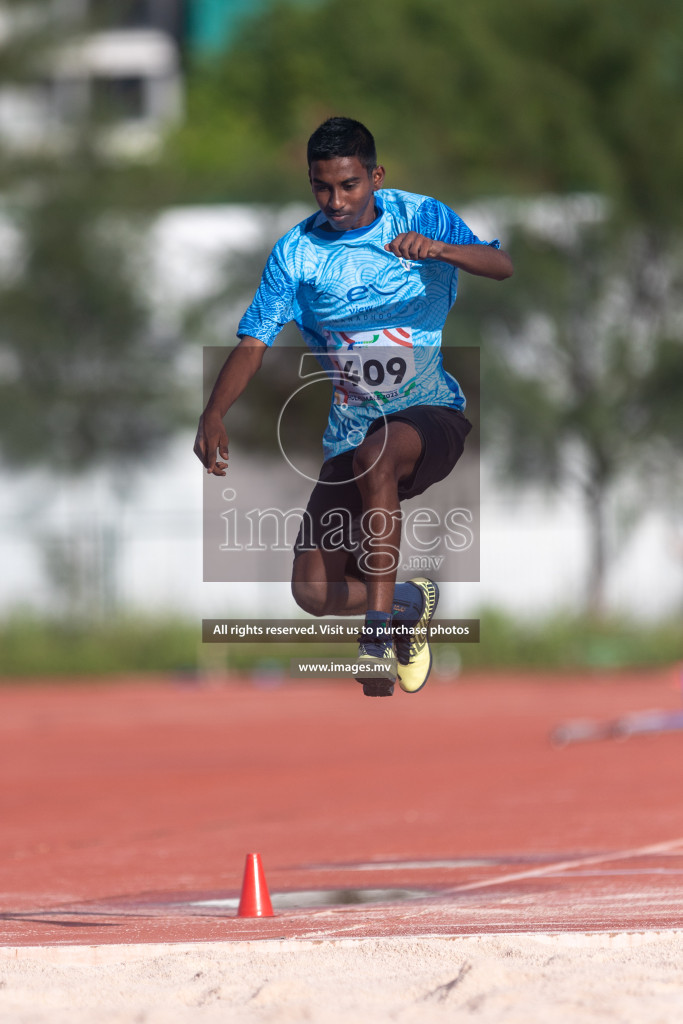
480 259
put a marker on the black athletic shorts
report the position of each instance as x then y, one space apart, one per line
443 432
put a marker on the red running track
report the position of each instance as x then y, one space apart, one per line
126 805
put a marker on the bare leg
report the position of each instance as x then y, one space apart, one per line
379 467
321 586
320 583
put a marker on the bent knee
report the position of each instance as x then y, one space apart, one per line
370 461
311 597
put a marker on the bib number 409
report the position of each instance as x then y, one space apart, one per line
374 372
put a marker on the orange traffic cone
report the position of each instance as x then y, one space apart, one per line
255 899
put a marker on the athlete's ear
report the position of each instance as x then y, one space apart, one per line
377 177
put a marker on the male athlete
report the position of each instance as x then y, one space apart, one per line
369 281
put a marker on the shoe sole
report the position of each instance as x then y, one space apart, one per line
379 684
378 688
382 687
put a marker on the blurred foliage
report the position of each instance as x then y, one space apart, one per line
572 642
43 649
30 646
86 377
582 367
466 99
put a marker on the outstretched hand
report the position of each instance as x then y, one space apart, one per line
412 246
212 439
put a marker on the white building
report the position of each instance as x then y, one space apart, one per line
132 71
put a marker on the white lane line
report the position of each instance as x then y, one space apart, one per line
567 865
408 865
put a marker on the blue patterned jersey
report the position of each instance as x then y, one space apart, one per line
373 319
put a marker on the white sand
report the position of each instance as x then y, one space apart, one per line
634 978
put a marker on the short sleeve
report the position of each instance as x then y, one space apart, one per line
436 220
273 306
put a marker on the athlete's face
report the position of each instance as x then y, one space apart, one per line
345 191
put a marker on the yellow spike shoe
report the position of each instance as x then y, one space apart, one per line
412 649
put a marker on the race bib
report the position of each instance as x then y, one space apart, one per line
371 366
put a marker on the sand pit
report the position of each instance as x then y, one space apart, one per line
517 979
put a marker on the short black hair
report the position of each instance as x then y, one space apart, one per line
342 136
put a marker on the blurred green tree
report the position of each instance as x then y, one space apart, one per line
583 360
468 99
86 378
453 104
582 375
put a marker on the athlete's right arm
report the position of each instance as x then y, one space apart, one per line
238 369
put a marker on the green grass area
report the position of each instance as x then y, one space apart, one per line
37 647
573 642
33 647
